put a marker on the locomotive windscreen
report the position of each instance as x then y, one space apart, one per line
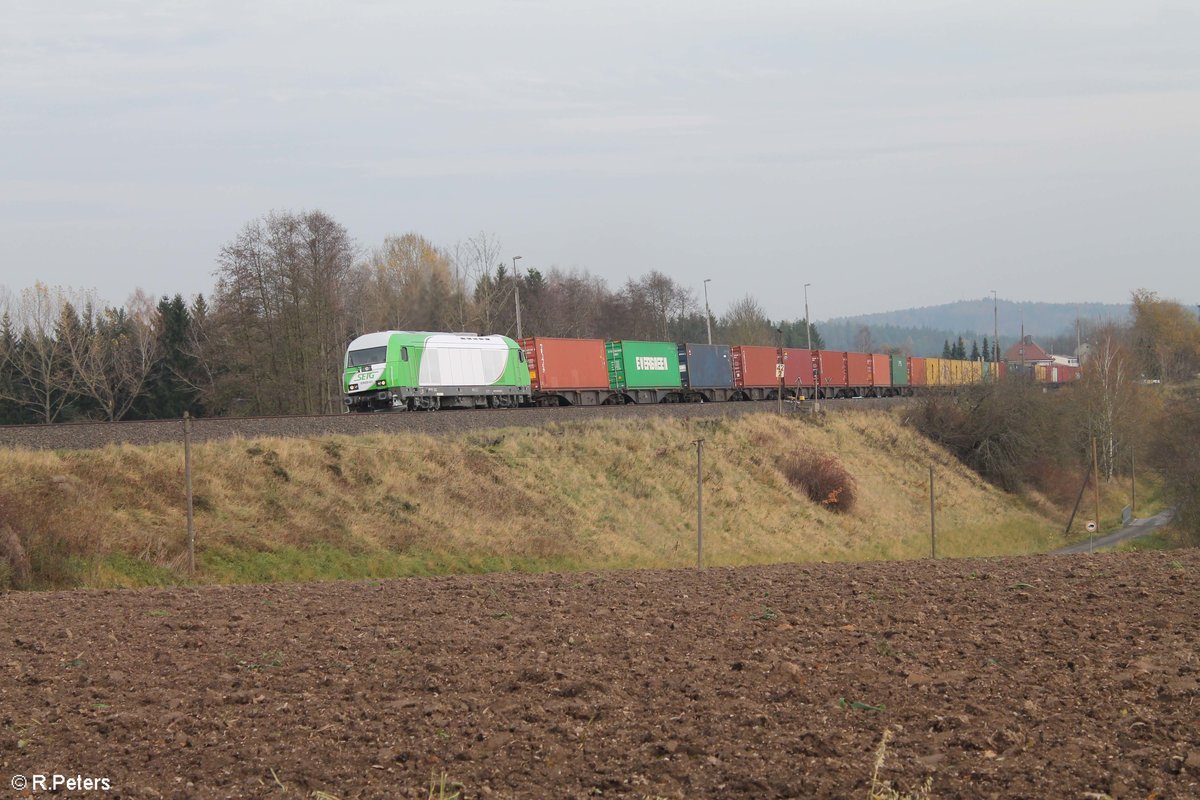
367 356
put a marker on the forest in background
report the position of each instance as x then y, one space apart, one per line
291 290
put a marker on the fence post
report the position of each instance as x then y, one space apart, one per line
699 504
187 479
932 519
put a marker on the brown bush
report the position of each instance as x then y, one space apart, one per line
822 477
14 561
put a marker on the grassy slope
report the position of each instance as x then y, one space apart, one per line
596 496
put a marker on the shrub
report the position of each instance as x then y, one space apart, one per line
822 477
14 562
1174 454
1002 430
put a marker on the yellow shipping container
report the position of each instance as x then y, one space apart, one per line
933 371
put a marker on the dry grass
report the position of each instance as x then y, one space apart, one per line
595 496
881 789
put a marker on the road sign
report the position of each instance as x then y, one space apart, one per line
779 370
1091 527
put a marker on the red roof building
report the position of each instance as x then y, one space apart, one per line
1027 352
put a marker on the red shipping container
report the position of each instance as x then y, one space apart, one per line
858 369
832 366
798 367
881 370
1002 367
916 371
755 366
1067 374
557 364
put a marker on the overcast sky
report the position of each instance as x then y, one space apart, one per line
890 154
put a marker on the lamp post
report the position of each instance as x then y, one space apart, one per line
807 324
517 295
707 313
995 328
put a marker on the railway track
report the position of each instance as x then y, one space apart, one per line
88 435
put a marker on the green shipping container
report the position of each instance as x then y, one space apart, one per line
899 371
643 365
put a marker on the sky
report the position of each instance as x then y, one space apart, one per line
889 154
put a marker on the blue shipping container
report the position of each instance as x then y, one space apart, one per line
706 366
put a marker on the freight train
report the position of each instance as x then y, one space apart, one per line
409 370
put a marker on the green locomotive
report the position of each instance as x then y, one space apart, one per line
424 371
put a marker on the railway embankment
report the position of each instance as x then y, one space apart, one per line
599 493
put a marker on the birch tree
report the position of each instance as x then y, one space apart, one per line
41 377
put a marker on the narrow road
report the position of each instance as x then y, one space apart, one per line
1139 527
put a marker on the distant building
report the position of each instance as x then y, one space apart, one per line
1027 352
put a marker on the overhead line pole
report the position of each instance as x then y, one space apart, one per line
517 294
807 323
707 313
699 504
995 328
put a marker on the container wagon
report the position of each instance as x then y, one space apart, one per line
706 372
898 365
858 373
881 375
756 372
567 372
831 370
643 372
799 372
916 371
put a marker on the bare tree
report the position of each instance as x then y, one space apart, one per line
281 300
411 286
747 323
1109 392
655 302
1166 336
43 379
113 352
480 293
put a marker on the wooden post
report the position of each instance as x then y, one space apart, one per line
1132 481
1078 499
932 519
187 479
1096 475
699 504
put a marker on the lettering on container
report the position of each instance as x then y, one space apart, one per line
648 363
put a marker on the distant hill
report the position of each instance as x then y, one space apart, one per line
922 331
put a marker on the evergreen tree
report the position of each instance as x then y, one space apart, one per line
169 389
946 351
974 351
987 351
959 350
12 411
795 334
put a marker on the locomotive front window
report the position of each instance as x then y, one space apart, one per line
367 356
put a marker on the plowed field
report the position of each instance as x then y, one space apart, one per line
1051 677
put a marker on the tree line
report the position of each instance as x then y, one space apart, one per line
958 350
1138 401
291 290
